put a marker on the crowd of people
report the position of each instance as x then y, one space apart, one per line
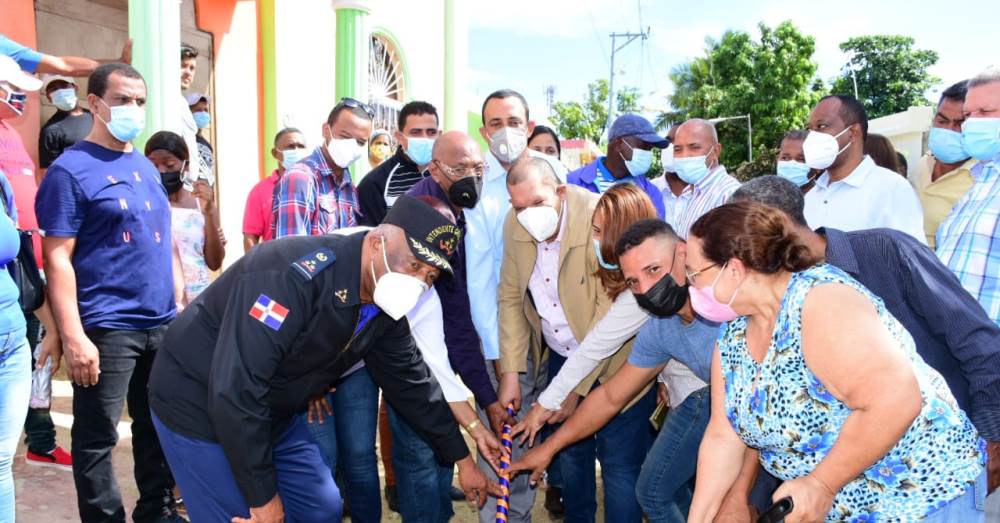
829 334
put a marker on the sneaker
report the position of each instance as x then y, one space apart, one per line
170 516
58 458
392 498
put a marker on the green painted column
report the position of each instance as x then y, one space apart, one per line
352 51
456 65
155 29
269 85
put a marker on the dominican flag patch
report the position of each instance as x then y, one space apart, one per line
269 312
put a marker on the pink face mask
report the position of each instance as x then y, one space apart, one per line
704 303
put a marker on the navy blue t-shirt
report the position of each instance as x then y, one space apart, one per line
115 206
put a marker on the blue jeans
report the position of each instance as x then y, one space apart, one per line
211 494
423 483
970 507
15 389
346 440
621 447
664 488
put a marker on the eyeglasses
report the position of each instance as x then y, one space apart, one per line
356 104
461 172
692 275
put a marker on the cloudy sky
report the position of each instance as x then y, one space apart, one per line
530 44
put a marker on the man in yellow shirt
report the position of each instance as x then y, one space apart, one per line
943 176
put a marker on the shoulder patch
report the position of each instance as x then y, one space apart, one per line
310 264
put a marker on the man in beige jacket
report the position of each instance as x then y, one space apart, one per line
549 293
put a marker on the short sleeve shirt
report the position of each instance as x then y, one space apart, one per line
26 57
115 206
258 215
19 169
61 132
663 339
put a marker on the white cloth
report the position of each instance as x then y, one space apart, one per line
674 206
681 382
427 328
188 129
544 287
870 197
623 320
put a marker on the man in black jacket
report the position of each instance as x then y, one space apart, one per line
243 361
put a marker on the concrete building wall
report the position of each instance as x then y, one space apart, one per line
907 131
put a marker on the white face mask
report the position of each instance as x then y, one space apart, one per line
396 293
344 151
667 159
508 143
540 222
821 149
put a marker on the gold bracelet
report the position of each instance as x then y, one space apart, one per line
468 428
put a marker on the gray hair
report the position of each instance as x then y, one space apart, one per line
531 166
796 135
774 191
989 75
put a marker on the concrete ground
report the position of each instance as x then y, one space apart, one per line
46 495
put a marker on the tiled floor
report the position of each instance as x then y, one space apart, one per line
46 495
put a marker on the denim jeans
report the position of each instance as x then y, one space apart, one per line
39 431
347 440
664 488
126 359
621 447
970 507
423 483
15 389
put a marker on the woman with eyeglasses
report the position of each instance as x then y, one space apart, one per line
813 372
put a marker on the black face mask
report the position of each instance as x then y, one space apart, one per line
465 192
663 299
171 181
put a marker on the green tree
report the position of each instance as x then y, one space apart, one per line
771 79
891 74
587 119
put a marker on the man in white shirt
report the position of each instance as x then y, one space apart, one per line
853 193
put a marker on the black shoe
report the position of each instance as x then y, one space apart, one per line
170 517
392 498
456 494
553 502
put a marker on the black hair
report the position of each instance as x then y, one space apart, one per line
774 191
851 112
956 92
98 82
544 129
188 52
415 108
641 231
170 142
283 132
502 94
360 112
796 135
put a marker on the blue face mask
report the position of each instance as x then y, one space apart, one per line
419 150
692 170
64 99
600 258
982 138
946 145
641 161
290 157
127 121
795 172
202 119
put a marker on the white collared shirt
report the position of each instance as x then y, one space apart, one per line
544 287
870 197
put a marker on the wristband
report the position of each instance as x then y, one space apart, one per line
468 428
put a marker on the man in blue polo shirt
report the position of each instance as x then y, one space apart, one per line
630 155
107 251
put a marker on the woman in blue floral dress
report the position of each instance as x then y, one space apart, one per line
812 371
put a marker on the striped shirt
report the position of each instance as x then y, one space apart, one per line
310 200
969 238
714 190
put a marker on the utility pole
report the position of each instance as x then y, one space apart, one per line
630 37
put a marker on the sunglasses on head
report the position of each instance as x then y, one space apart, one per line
356 104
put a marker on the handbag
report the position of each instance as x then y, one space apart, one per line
24 269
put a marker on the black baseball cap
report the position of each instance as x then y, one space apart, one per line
431 237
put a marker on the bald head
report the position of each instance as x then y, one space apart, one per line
451 147
529 169
697 137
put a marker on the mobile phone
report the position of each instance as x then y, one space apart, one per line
776 513
658 416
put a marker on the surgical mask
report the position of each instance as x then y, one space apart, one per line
640 163
508 143
664 298
465 192
64 99
822 149
692 169
704 302
667 159
290 157
344 151
982 138
795 172
541 222
395 293
380 152
127 121
600 257
419 150
946 145
202 119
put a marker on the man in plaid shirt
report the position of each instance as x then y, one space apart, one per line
317 196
